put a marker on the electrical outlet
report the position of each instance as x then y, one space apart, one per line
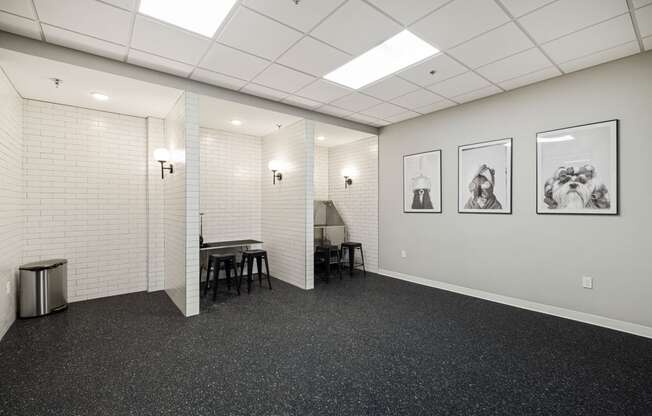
9 287
403 254
587 282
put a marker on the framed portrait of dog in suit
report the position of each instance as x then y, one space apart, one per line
485 177
577 169
422 182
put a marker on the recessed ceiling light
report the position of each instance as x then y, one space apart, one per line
199 16
236 122
394 54
321 138
99 96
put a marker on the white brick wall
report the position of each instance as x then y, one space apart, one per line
11 197
85 187
193 160
231 175
155 207
321 173
287 206
358 204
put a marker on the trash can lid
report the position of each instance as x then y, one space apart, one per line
43 264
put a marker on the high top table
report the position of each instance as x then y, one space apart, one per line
206 248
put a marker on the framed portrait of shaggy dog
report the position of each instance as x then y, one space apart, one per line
485 177
577 170
422 182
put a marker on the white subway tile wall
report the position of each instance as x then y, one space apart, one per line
287 206
231 175
155 207
11 198
357 204
85 187
193 163
175 206
321 173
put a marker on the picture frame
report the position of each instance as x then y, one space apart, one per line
577 170
422 182
484 177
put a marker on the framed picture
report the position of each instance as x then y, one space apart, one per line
485 177
422 182
577 170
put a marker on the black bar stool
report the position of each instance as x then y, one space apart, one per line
329 255
249 256
215 262
351 247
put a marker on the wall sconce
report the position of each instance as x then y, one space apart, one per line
162 156
347 173
275 166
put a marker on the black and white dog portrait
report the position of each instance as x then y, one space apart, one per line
485 177
422 182
577 170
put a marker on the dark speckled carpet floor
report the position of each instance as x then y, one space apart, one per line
374 346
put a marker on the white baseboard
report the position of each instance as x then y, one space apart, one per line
629 327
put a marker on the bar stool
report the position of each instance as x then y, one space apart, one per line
351 247
249 256
329 255
215 262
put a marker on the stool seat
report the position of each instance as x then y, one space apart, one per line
255 251
351 244
224 256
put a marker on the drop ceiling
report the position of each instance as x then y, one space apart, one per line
281 51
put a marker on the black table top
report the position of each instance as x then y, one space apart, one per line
228 244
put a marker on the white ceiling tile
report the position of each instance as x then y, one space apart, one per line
356 27
644 20
303 16
496 44
256 34
516 65
407 11
334 111
647 42
167 41
459 85
265 92
125 4
601 57
416 99
356 102
593 39
384 110
389 88
83 43
373 121
439 105
477 94
88 17
220 80
314 57
20 7
566 16
301 102
232 62
323 91
519 7
284 79
528 79
403 116
444 66
158 63
459 21
641 3
19 25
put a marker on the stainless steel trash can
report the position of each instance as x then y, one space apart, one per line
43 287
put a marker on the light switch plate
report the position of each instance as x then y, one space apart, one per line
587 282
403 254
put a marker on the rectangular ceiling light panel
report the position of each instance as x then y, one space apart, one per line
396 53
199 16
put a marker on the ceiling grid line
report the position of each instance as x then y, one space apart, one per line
132 26
38 21
637 30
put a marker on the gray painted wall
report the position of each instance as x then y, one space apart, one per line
524 255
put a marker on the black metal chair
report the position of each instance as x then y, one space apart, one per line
248 256
327 256
350 248
215 263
